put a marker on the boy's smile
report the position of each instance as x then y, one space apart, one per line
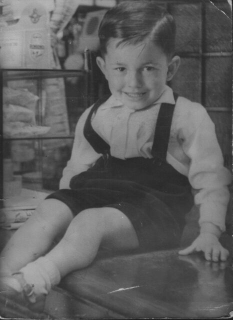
136 74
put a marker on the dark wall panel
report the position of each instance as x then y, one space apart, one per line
187 81
189 22
218 82
218 27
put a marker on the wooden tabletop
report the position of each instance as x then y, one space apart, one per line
156 284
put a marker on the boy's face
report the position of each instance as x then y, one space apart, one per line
136 74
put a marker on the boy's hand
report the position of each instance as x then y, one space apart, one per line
209 244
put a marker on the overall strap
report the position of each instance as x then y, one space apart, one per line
98 144
162 130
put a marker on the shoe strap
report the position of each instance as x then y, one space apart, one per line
28 289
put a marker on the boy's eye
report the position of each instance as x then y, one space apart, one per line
120 69
149 68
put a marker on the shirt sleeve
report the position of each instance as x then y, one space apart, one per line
207 174
83 156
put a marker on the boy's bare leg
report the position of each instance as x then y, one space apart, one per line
36 236
88 231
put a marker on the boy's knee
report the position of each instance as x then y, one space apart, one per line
88 224
52 210
93 221
107 226
92 217
105 218
106 221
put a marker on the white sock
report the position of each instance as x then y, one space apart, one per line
42 274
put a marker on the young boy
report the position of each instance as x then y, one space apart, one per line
141 159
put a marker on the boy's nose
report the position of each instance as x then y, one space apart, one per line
134 79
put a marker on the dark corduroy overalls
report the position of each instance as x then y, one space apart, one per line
150 192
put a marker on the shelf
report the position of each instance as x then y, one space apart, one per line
39 138
37 74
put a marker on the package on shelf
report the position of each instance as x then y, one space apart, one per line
20 129
26 44
21 96
55 111
20 120
12 113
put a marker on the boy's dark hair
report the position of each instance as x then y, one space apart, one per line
134 21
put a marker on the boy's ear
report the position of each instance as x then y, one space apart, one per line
101 64
173 67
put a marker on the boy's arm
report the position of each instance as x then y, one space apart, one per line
82 156
210 179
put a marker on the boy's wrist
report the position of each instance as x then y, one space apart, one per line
208 227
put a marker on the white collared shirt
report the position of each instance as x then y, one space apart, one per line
193 149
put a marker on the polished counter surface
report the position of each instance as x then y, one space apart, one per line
149 285
156 284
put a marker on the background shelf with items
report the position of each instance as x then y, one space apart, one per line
37 133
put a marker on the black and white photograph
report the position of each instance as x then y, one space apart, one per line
116 159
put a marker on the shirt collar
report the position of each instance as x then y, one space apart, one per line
166 97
